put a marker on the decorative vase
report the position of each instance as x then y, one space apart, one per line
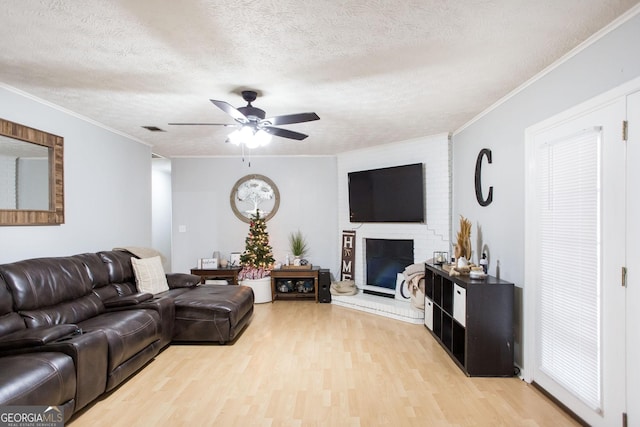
261 289
296 261
462 262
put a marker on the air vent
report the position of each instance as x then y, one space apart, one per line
153 129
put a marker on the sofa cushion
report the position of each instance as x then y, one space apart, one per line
150 275
37 379
10 321
118 265
74 311
127 331
43 282
120 278
96 268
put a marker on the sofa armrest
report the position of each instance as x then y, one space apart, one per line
127 300
166 308
36 337
182 280
89 351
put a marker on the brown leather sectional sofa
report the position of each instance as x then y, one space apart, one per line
73 328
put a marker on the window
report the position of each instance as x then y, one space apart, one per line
568 306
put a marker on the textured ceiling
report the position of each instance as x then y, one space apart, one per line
375 72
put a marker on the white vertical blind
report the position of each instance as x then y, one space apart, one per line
568 265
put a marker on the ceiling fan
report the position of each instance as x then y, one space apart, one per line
253 119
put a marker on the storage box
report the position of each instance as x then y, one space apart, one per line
460 304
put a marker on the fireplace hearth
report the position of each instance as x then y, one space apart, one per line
386 307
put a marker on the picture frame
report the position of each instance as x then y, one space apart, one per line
234 259
209 263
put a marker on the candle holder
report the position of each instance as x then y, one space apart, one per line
440 257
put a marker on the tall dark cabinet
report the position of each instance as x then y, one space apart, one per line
472 319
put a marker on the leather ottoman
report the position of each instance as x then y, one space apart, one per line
212 313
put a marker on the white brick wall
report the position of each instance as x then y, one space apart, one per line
435 153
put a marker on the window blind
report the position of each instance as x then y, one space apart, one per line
568 264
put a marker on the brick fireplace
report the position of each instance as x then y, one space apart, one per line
384 259
433 235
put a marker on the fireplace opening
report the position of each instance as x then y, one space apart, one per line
384 259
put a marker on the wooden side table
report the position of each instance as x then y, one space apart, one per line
218 273
283 275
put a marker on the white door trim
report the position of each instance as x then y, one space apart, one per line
559 119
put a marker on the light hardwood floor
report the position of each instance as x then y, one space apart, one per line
305 364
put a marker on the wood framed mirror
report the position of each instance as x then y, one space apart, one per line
32 189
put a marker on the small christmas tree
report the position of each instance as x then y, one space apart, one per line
257 258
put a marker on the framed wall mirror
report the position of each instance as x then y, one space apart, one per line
254 193
32 176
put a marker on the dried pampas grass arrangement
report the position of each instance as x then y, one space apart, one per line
463 242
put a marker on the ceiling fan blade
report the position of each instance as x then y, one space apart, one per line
203 124
285 133
288 119
230 110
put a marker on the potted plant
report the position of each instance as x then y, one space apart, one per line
257 260
298 246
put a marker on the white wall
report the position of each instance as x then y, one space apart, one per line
161 209
434 235
201 190
603 64
107 186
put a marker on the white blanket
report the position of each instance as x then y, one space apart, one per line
140 252
413 274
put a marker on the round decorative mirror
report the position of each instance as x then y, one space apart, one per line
254 193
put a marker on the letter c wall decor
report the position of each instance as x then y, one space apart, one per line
481 200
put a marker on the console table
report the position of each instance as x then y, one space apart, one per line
218 273
472 319
294 283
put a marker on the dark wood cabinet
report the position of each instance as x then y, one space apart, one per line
472 319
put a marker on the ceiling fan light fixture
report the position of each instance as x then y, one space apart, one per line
261 138
241 135
250 137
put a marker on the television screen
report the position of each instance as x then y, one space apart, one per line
394 194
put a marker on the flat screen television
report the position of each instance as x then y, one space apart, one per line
393 194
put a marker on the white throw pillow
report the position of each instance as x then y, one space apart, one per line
150 275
